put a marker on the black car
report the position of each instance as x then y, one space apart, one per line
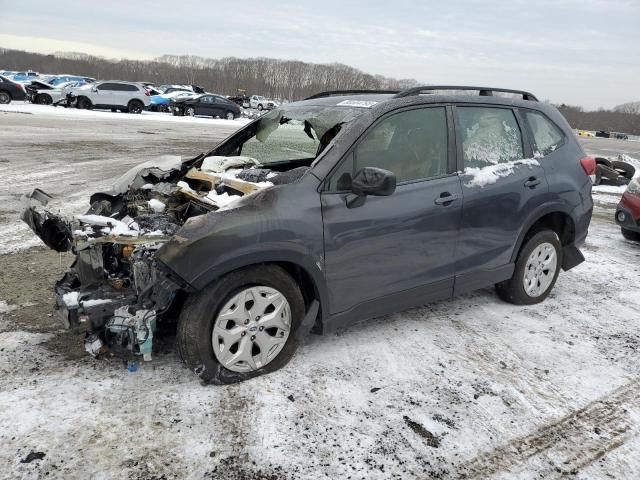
321 213
210 105
10 90
603 134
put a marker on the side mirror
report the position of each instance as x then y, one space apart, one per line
94 89
370 181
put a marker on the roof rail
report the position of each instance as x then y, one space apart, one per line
333 93
484 91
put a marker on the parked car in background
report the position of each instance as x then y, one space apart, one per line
24 76
162 101
46 94
621 136
10 90
603 134
207 104
261 103
113 94
628 211
586 133
59 79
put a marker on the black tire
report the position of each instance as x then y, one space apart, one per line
630 234
198 316
44 99
84 103
135 106
260 107
512 290
229 115
603 161
624 169
5 97
189 111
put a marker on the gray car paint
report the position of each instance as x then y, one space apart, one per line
393 252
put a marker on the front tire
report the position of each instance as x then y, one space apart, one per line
260 107
44 99
84 103
630 234
536 272
242 316
190 111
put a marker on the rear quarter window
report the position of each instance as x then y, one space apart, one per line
547 136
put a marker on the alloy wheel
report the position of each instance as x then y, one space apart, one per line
540 269
251 329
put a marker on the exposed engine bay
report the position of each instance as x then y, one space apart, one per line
114 290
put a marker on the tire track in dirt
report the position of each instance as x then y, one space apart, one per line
568 445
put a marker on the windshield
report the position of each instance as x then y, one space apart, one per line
296 132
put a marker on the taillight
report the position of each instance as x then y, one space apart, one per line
589 166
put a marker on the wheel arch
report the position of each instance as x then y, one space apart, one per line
554 218
302 270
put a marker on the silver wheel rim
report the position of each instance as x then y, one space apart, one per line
191 111
4 98
230 116
540 270
251 329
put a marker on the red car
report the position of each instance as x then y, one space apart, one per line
628 211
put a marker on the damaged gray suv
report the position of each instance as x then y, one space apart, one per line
341 207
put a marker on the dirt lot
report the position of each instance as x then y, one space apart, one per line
466 388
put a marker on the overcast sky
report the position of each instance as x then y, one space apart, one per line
584 52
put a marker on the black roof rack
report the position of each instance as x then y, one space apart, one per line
484 91
334 93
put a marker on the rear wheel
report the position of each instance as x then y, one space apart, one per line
135 106
230 116
243 326
536 271
5 98
630 234
44 99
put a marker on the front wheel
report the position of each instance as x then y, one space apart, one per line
260 107
44 99
83 103
190 111
241 327
5 98
536 270
630 234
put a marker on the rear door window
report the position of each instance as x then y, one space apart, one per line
489 136
547 136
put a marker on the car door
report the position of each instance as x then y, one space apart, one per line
394 251
501 188
204 105
105 94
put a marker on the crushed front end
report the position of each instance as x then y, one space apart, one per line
115 291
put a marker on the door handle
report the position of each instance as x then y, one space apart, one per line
533 182
446 198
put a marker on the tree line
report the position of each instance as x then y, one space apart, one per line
280 79
620 119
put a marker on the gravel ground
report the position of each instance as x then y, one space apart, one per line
466 388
